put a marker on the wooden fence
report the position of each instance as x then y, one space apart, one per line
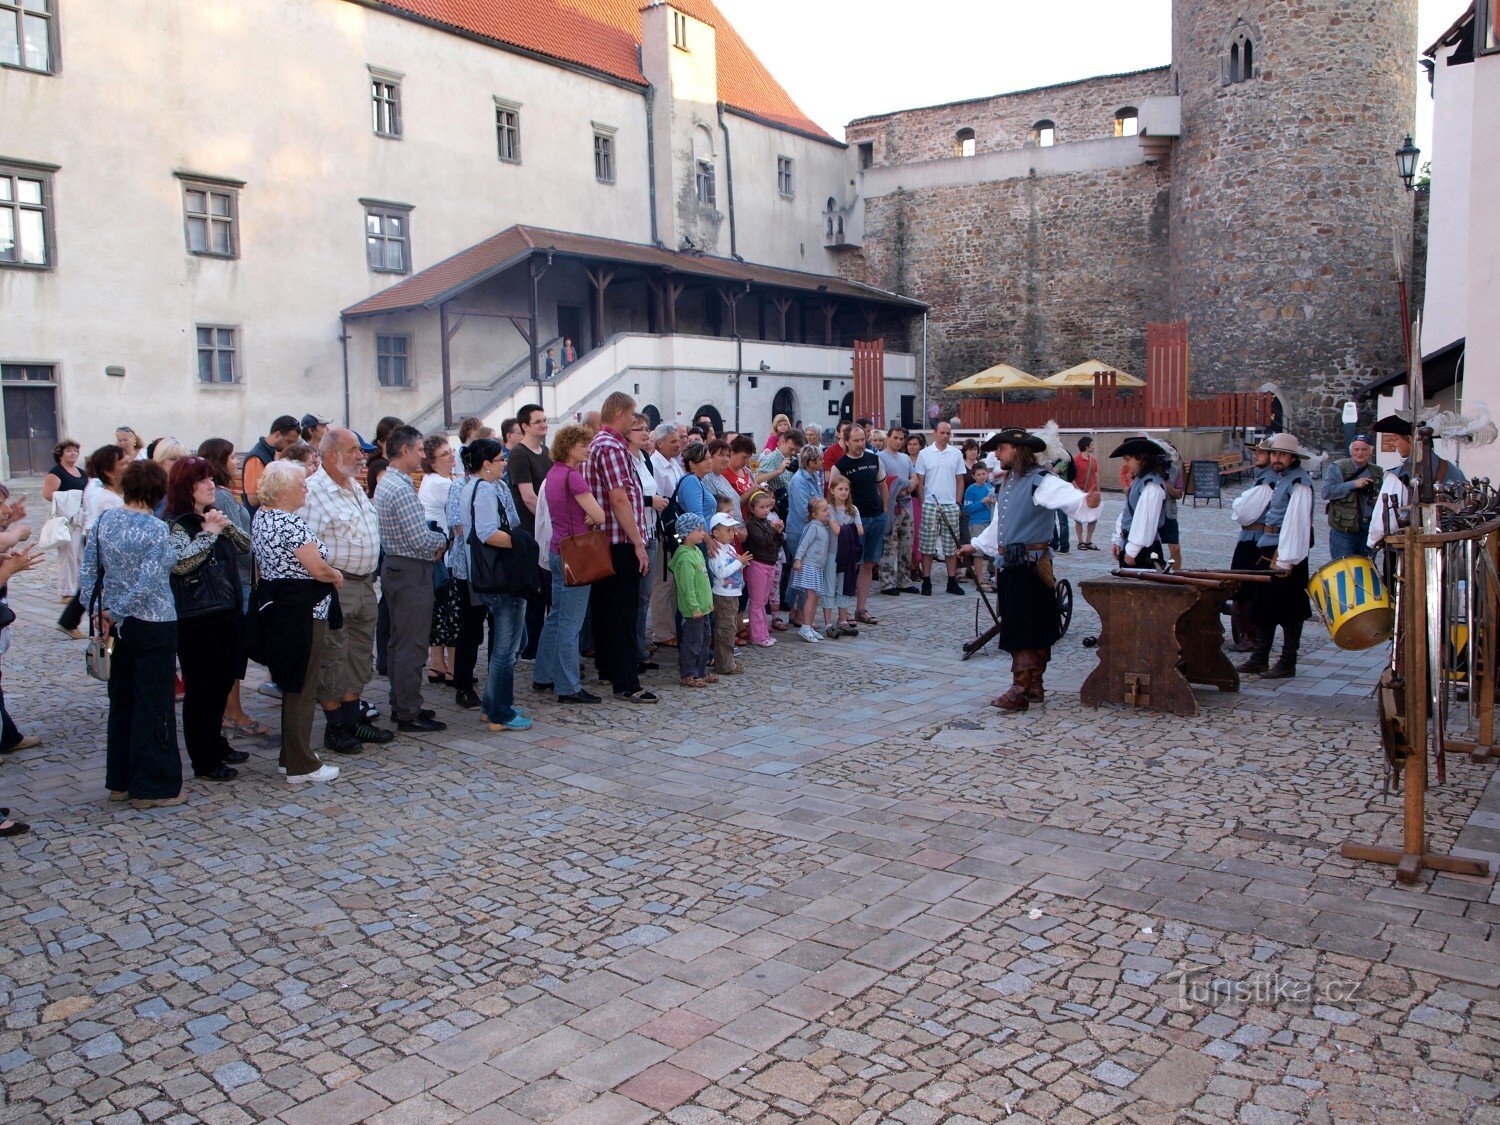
1111 409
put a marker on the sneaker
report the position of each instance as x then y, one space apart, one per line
515 722
954 587
269 690
927 587
421 726
582 695
808 634
322 773
341 740
221 773
378 735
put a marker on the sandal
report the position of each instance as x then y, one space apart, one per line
779 626
864 617
710 679
14 828
249 727
691 681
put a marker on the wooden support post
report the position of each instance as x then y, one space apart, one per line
600 280
830 310
783 305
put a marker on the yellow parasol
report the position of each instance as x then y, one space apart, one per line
1083 376
1002 377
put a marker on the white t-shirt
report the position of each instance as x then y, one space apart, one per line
434 497
939 470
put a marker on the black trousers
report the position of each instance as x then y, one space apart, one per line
72 614
536 614
614 603
9 734
209 652
471 621
141 755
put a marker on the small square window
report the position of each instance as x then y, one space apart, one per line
385 105
604 158
217 362
211 216
866 155
392 361
26 235
707 190
388 237
508 131
784 182
28 35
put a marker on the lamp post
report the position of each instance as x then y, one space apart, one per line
1406 161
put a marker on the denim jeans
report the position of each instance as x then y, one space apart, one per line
1342 544
557 651
507 631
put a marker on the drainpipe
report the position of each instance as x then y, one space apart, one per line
729 185
923 418
651 162
344 346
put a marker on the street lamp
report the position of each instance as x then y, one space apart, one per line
1406 161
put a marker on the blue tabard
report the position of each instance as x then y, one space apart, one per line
1019 519
1133 497
1263 475
1281 498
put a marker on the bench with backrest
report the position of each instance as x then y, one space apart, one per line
1233 465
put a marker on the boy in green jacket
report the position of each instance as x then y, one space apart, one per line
695 602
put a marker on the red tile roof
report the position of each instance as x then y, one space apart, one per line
604 35
509 248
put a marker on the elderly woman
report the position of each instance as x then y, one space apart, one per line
487 507
294 606
62 487
210 643
574 510
447 612
130 443
126 570
779 425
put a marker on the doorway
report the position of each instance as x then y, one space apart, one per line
570 327
711 412
846 409
785 402
909 413
30 393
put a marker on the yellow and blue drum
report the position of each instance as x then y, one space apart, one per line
1354 603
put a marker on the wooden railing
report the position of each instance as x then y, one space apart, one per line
1114 410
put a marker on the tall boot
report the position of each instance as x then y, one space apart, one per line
1260 658
1035 671
1286 667
1242 626
1015 698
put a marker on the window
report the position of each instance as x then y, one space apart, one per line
1239 63
784 182
1044 134
707 195
1127 122
216 355
27 28
392 360
211 214
385 103
26 216
1487 30
679 31
963 142
387 236
866 155
604 154
508 130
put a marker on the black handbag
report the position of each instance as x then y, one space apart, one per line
210 589
509 570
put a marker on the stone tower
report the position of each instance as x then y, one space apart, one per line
1286 198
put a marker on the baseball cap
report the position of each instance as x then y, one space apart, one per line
723 519
365 446
311 420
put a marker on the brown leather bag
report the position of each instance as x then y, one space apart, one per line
585 558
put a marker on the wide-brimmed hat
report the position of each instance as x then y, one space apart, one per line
1394 424
1284 443
1139 447
1016 436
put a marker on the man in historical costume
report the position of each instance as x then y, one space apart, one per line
1283 539
1247 509
1019 539
1397 483
1350 485
1137 538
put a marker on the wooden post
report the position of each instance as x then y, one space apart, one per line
600 280
830 310
783 305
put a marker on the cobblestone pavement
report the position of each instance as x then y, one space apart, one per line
839 888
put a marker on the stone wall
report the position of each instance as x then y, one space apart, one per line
1285 198
1079 110
1039 272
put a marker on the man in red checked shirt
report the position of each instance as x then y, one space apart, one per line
610 471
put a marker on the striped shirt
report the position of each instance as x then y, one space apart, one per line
610 465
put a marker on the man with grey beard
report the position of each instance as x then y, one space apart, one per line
342 517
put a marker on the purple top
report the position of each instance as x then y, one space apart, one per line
562 484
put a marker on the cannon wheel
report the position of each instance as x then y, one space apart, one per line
1064 594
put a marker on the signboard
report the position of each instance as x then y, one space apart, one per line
1206 482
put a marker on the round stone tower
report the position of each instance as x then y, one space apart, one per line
1286 198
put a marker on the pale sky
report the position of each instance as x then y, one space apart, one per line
842 59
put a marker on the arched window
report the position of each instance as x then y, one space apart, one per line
1044 134
963 142
653 415
1239 60
1127 121
785 402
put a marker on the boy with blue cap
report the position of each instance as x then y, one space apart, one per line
695 601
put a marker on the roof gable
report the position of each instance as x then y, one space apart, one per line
605 36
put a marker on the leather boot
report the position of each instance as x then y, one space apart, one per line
1034 674
1015 698
1241 625
1286 667
1260 659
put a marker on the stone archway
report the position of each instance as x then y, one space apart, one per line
785 402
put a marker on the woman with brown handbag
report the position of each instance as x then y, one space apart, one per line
574 511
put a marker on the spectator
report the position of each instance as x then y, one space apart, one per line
780 425
765 540
283 431
569 353
938 476
314 426
841 567
468 430
895 562
915 443
834 451
210 646
726 568
1085 479
510 436
695 601
375 466
716 480
105 467
617 487
812 549
472 611
300 453
341 517
217 452
527 469
167 451
590 422
410 548
13 531
706 423
130 442
806 483
487 502
741 449
62 488
693 493
865 472
573 510
295 606
667 466
549 365
979 506
447 614
652 506
126 564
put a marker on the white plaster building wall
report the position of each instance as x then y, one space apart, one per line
275 93
686 86
1445 308
1482 352
773 228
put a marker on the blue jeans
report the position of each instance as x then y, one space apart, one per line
1342 544
507 632
557 650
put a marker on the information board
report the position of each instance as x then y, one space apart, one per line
1206 485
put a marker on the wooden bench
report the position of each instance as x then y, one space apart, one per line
1233 465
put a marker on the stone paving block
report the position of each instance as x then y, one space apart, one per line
616 1061
891 951
547 1099
424 1109
545 1054
761 1028
663 1087
608 1109
476 1087
614 1018
713 1057
406 1078
477 1044
344 1106
678 1029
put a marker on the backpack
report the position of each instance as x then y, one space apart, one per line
1069 471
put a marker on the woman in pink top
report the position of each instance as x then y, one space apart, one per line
779 425
571 504
1086 479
